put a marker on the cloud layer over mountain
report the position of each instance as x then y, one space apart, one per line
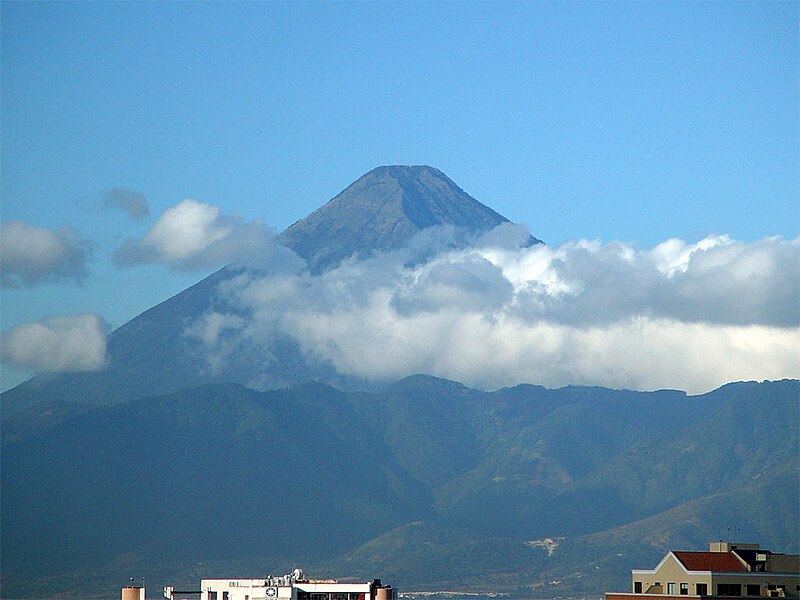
686 315
691 316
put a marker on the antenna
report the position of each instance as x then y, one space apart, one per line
733 532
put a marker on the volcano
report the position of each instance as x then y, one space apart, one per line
151 354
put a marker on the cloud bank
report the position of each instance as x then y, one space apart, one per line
57 345
131 203
30 255
192 235
688 316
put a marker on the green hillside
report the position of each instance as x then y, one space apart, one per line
428 485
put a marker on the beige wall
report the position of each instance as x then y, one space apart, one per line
670 572
784 563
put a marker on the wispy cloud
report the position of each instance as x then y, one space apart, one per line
130 202
57 344
683 315
30 255
192 235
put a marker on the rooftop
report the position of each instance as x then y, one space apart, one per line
719 562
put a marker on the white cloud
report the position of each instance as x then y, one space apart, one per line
30 255
715 281
193 235
674 255
57 344
491 353
688 316
186 229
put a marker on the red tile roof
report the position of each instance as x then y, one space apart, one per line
720 562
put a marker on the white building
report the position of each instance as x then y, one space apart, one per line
289 587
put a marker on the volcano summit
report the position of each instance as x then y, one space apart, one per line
382 211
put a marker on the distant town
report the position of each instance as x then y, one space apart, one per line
727 570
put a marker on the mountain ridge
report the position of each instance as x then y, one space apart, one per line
190 473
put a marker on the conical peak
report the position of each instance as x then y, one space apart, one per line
404 171
408 177
381 211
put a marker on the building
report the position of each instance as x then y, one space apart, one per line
293 586
727 569
133 592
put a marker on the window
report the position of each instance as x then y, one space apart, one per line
637 587
684 589
753 589
671 588
701 589
729 589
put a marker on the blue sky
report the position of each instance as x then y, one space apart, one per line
636 122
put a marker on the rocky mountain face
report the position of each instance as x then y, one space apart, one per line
151 354
428 484
382 211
